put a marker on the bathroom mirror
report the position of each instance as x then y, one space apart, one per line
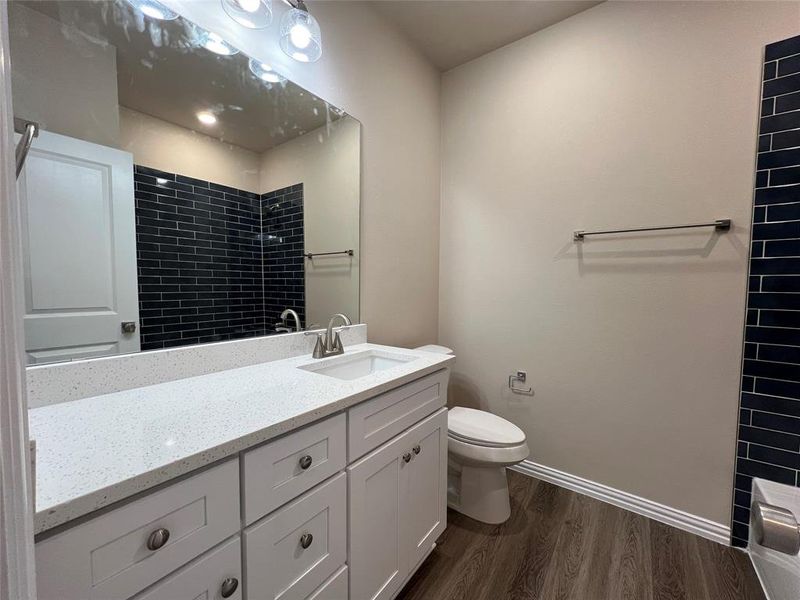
178 192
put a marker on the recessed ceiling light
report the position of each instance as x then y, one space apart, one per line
153 9
213 42
206 117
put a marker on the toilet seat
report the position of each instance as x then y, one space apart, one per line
481 428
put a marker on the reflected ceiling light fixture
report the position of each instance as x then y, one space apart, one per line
214 43
300 34
153 9
206 117
265 72
253 14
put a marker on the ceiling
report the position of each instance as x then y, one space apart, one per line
162 72
452 32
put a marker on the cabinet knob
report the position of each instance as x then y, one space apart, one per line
305 462
407 457
417 449
229 586
157 539
305 540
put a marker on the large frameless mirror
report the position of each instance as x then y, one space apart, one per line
177 192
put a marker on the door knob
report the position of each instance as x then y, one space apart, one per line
157 539
305 462
305 540
228 587
128 326
417 449
407 457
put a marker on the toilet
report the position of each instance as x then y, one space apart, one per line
480 445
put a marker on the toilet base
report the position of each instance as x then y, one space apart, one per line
480 493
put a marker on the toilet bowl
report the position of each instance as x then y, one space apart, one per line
480 445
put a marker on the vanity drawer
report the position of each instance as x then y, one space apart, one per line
378 420
334 589
107 558
285 468
209 577
278 564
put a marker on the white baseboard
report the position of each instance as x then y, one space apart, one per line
715 532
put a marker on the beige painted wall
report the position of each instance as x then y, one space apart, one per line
326 161
161 145
83 73
629 114
372 72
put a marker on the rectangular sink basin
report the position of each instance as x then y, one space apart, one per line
360 364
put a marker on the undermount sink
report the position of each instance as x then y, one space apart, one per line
360 364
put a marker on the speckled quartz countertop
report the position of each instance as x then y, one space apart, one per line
96 451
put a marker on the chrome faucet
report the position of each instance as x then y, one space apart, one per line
294 315
331 344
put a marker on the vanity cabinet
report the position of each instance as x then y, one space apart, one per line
346 507
398 507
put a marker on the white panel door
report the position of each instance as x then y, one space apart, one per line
79 242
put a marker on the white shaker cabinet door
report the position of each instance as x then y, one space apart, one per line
389 530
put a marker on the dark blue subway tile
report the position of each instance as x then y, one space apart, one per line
775 389
779 158
760 214
781 122
789 65
784 212
774 456
752 317
765 471
756 249
782 85
788 283
751 350
775 231
787 102
754 283
784 176
748 383
779 195
783 48
762 179
772 335
770 70
772 370
775 266
767 107
777 248
768 437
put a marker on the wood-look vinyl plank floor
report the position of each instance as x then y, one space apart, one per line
560 545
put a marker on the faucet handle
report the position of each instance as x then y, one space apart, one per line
319 347
337 344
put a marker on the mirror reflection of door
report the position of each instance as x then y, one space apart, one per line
79 238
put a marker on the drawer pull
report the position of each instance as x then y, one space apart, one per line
305 540
229 586
407 457
157 539
417 449
305 462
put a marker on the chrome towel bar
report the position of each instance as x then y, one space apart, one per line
719 225
313 254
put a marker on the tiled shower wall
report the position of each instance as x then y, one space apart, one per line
769 419
202 251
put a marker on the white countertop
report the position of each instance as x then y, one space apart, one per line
96 451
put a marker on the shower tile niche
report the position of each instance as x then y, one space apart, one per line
214 263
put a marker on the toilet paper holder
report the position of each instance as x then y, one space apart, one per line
775 527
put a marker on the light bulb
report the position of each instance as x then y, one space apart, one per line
300 36
253 14
250 6
265 72
214 43
153 9
206 117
